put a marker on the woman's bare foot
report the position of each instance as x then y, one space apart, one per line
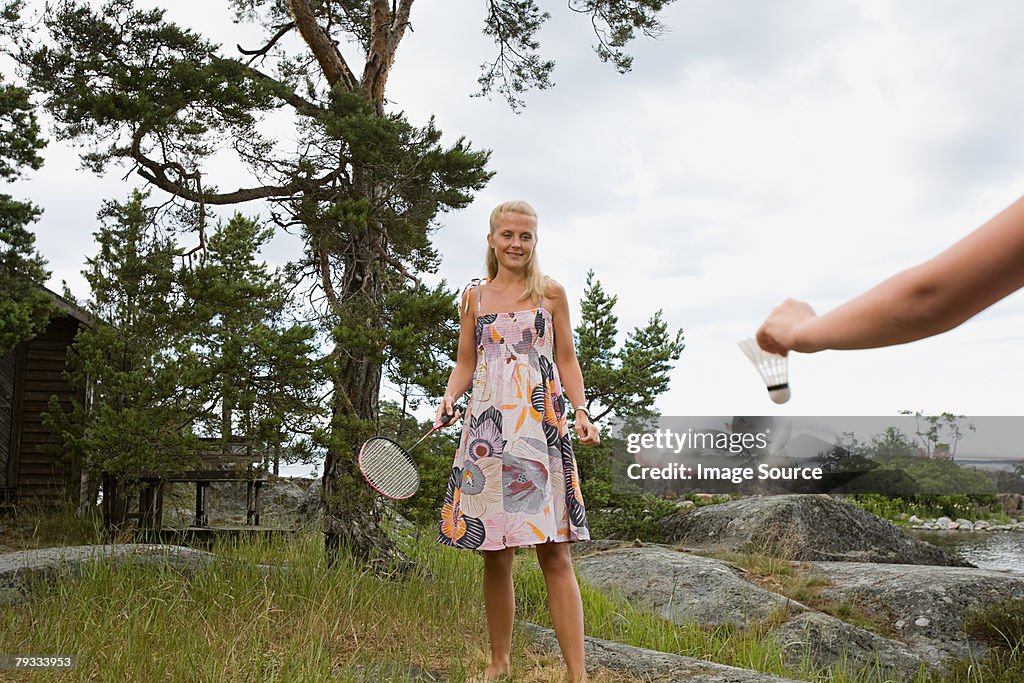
493 672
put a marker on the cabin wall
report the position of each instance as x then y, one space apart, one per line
8 362
40 469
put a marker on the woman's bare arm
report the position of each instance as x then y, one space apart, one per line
922 301
461 378
568 365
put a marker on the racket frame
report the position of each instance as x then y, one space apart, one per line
408 458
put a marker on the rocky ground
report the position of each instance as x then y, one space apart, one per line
879 597
800 527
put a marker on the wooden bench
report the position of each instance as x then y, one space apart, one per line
237 463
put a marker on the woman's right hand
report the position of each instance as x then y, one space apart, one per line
447 407
778 333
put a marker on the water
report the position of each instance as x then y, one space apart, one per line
1001 550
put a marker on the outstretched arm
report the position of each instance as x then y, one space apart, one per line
919 302
567 363
461 378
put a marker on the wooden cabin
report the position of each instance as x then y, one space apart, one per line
31 460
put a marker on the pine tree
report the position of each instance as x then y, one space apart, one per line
143 393
24 307
256 363
624 382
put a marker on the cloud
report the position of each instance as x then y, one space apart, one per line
757 151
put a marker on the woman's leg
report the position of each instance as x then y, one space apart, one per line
500 602
565 605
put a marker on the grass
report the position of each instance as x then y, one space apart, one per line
230 621
1002 626
41 526
787 578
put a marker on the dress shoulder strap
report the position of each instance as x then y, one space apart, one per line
543 288
477 282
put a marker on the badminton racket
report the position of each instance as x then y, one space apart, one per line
389 468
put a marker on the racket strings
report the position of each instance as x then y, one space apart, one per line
389 468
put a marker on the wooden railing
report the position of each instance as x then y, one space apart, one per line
237 462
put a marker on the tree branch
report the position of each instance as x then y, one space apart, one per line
299 103
326 52
156 173
281 33
386 32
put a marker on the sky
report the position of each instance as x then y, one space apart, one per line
757 151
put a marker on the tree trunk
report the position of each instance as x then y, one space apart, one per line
353 508
353 519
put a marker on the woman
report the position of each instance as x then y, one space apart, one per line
926 300
514 481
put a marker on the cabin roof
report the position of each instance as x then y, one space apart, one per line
69 308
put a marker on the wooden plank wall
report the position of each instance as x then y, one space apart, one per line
41 472
7 366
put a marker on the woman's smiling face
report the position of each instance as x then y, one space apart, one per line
513 240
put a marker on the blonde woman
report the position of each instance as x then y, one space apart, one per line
514 481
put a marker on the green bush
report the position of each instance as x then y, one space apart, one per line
925 505
630 516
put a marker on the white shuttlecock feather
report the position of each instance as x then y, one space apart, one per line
773 368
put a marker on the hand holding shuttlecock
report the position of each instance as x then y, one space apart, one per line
774 369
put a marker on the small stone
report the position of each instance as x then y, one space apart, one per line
964 525
922 621
900 624
914 519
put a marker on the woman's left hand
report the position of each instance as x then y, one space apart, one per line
585 429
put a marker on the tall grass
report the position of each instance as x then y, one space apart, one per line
232 619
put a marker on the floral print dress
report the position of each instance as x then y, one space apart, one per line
514 481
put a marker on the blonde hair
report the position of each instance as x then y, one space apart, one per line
534 276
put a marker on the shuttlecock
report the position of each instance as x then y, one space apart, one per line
773 368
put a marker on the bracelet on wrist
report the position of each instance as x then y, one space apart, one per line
579 408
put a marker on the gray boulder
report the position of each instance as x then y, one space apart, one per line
681 587
652 665
825 640
924 606
801 527
18 568
311 507
281 501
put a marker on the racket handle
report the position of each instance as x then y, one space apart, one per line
446 418
443 421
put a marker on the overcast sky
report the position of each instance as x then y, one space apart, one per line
758 150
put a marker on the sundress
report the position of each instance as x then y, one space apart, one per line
514 480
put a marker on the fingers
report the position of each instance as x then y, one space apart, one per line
768 343
588 433
778 333
444 411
